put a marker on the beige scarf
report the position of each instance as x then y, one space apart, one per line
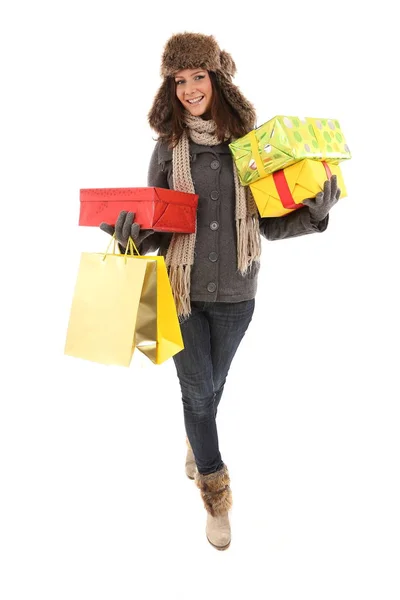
180 255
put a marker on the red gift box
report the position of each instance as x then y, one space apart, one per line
155 208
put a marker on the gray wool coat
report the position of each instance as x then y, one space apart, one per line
214 276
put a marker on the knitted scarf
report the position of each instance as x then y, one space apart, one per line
180 255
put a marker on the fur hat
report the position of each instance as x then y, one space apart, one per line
192 51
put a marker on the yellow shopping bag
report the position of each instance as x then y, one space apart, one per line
282 192
122 301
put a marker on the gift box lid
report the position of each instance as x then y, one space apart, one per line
138 194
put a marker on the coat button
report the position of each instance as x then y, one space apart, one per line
214 225
215 164
214 195
211 287
213 256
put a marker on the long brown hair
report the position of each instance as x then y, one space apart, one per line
226 118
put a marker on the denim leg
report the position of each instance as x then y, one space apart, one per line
195 373
228 325
217 398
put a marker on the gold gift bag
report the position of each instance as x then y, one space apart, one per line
122 301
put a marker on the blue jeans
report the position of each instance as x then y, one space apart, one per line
211 336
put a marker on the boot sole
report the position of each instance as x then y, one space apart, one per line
220 547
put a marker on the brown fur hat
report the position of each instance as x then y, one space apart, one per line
192 51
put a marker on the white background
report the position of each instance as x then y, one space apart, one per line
94 499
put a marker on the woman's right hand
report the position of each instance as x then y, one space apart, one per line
124 228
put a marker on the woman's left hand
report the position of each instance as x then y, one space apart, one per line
323 202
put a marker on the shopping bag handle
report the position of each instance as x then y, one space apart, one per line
131 246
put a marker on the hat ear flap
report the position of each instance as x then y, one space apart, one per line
239 103
160 113
228 66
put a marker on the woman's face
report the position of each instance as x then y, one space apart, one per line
194 90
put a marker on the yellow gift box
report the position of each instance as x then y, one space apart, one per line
283 141
283 191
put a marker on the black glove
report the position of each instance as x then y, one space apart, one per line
323 202
125 228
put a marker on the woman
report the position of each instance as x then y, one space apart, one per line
196 113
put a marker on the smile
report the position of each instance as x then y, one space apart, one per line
196 100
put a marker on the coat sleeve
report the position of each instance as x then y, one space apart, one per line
293 224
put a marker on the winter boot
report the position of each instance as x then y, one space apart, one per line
217 498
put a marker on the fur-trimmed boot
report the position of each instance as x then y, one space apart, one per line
190 464
217 498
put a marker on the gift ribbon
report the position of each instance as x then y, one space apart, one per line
256 154
327 169
283 190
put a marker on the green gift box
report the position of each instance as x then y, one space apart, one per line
283 141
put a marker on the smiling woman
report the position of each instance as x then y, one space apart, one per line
213 272
194 90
